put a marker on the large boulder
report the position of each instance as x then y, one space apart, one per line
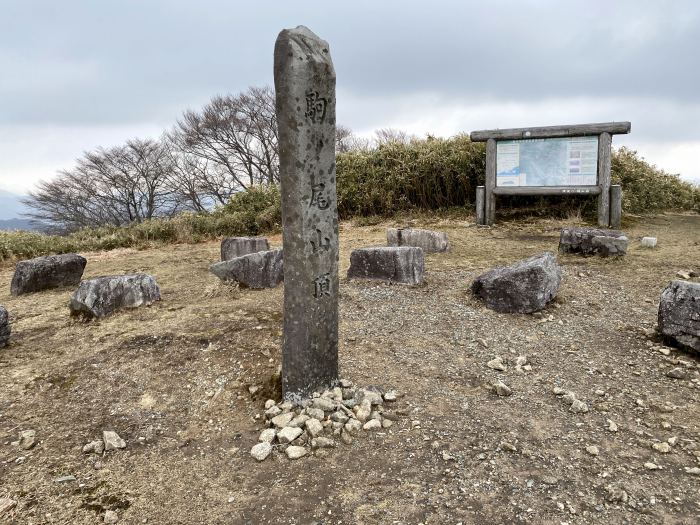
524 287
52 271
400 264
593 241
4 327
255 270
232 247
679 314
103 296
427 240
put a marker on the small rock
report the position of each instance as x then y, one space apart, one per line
569 398
299 421
363 411
579 407
65 479
662 447
592 450
313 427
386 423
288 434
261 451
112 440
648 242
390 396
502 389
339 417
322 442
353 426
282 420
269 404
111 517
683 275
295 452
672 441
323 403
558 391
694 471
372 424
345 383
496 364
521 360
98 447
27 439
374 397
346 438
651 466
612 427
616 494
677 373
273 411
315 413
268 435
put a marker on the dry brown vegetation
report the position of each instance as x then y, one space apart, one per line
173 381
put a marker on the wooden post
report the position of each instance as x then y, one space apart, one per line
480 205
604 146
489 197
615 206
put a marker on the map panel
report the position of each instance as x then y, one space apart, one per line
571 161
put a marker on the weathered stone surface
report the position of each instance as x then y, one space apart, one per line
288 434
52 271
255 270
5 328
593 241
305 107
427 240
400 264
232 247
524 287
679 314
103 296
261 450
112 440
27 439
295 452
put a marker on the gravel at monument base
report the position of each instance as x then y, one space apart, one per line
602 424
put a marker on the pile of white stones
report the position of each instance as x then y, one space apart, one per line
340 413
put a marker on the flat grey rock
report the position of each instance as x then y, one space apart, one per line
255 270
103 296
43 273
524 287
401 264
4 327
679 314
232 247
427 240
593 241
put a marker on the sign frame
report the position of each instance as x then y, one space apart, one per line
604 131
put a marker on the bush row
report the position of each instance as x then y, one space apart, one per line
423 175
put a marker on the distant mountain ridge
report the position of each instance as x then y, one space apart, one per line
19 224
11 206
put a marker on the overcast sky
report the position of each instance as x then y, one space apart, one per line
75 75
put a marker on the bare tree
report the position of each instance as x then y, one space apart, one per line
392 135
117 186
237 137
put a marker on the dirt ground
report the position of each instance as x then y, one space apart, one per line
172 380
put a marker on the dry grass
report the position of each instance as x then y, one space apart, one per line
172 380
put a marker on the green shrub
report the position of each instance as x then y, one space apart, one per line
421 176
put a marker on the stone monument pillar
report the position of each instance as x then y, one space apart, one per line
305 103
